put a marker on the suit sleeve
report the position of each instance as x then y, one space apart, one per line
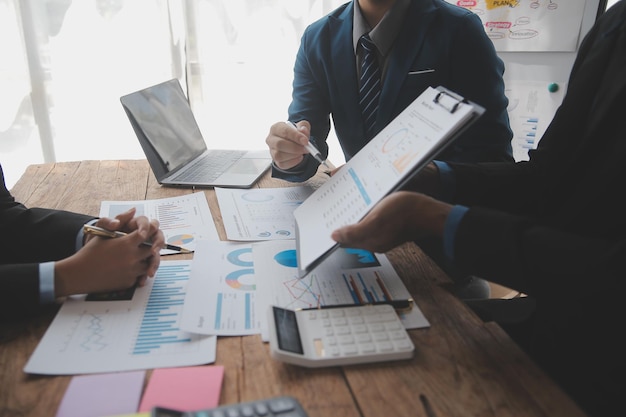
29 236
311 102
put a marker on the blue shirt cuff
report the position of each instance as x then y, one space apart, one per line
448 181
46 282
449 232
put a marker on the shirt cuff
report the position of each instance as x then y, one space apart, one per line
449 232
46 282
447 178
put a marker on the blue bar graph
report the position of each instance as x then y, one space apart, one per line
160 325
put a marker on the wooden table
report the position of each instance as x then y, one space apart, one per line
462 366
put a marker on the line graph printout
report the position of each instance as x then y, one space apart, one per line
222 290
348 276
183 219
260 213
408 143
129 330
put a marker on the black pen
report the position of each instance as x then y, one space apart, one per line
398 305
99 231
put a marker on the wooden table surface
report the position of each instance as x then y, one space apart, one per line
462 366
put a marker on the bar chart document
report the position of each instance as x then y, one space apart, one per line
122 331
403 147
183 219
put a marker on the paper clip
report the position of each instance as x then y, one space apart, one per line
453 102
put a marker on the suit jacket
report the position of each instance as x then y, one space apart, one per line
555 227
29 236
435 35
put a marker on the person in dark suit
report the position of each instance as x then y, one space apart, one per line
44 255
420 43
553 227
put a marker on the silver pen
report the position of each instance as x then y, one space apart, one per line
311 148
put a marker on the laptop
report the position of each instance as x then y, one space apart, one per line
178 154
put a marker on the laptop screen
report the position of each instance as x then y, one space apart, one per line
165 125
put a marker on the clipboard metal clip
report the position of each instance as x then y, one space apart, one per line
448 101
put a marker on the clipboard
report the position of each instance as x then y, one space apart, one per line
406 145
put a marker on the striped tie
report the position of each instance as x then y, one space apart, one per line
370 85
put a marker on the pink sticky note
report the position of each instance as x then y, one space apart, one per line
102 394
185 389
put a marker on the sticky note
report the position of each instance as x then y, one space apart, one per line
102 395
185 389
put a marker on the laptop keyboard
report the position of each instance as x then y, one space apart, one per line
211 166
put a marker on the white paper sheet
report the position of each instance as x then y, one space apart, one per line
261 213
182 219
111 334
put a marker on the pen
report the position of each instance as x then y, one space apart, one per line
398 305
311 148
99 231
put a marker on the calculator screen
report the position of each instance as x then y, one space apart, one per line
287 330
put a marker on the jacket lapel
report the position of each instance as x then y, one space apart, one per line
406 47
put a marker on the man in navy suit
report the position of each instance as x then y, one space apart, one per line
420 43
44 255
553 227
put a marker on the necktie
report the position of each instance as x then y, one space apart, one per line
369 90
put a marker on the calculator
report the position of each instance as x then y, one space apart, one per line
284 406
338 336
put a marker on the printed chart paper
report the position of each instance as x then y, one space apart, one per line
233 284
130 330
408 143
347 276
260 213
182 219
221 295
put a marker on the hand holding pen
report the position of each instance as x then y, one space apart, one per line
310 147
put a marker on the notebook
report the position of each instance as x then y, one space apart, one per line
178 154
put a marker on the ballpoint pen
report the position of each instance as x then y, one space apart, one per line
99 231
311 148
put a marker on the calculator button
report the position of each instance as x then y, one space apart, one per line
334 351
340 322
331 341
359 328
281 405
346 340
326 323
377 327
385 346
343 330
232 412
329 332
380 336
368 348
363 338
397 335
403 345
247 411
357 320
349 349
261 409
336 312
219 413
